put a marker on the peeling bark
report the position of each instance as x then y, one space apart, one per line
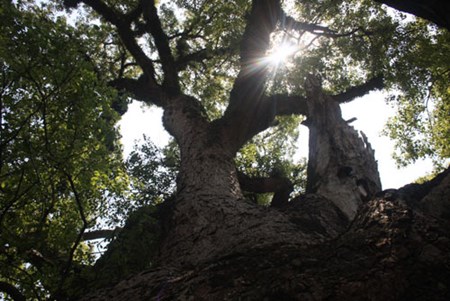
341 164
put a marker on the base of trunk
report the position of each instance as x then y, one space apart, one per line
395 249
206 230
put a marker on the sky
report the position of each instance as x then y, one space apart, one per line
371 112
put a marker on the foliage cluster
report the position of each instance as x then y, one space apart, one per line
60 163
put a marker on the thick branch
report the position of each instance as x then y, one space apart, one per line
360 90
254 45
247 96
125 33
100 7
140 90
162 44
289 105
281 186
134 14
267 108
290 23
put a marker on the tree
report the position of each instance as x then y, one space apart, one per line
342 237
435 11
59 159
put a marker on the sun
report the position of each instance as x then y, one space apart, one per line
279 54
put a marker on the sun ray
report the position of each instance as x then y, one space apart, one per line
279 54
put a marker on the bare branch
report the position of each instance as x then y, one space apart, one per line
289 104
140 90
360 90
78 201
126 34
280 186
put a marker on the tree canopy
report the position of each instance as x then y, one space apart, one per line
69 69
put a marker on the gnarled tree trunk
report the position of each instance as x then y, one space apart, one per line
341 164
395 249
340 241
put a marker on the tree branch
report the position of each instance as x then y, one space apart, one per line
123 28
289 105
290 23
247 96
282 104
255 42
11 291
360 90
140 90
162 44
198 56
281 186
79 204
436 11
134 14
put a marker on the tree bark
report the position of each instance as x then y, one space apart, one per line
210 218
336 242
341 165
393 250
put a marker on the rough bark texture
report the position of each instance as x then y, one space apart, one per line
327 244
395 249
210 219
341 164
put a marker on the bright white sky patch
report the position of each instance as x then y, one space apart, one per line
371 111
142 120
281 53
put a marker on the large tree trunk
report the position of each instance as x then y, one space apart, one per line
338 241
209 218
341 164
218 246
395 249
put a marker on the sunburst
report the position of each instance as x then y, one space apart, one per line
280 54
